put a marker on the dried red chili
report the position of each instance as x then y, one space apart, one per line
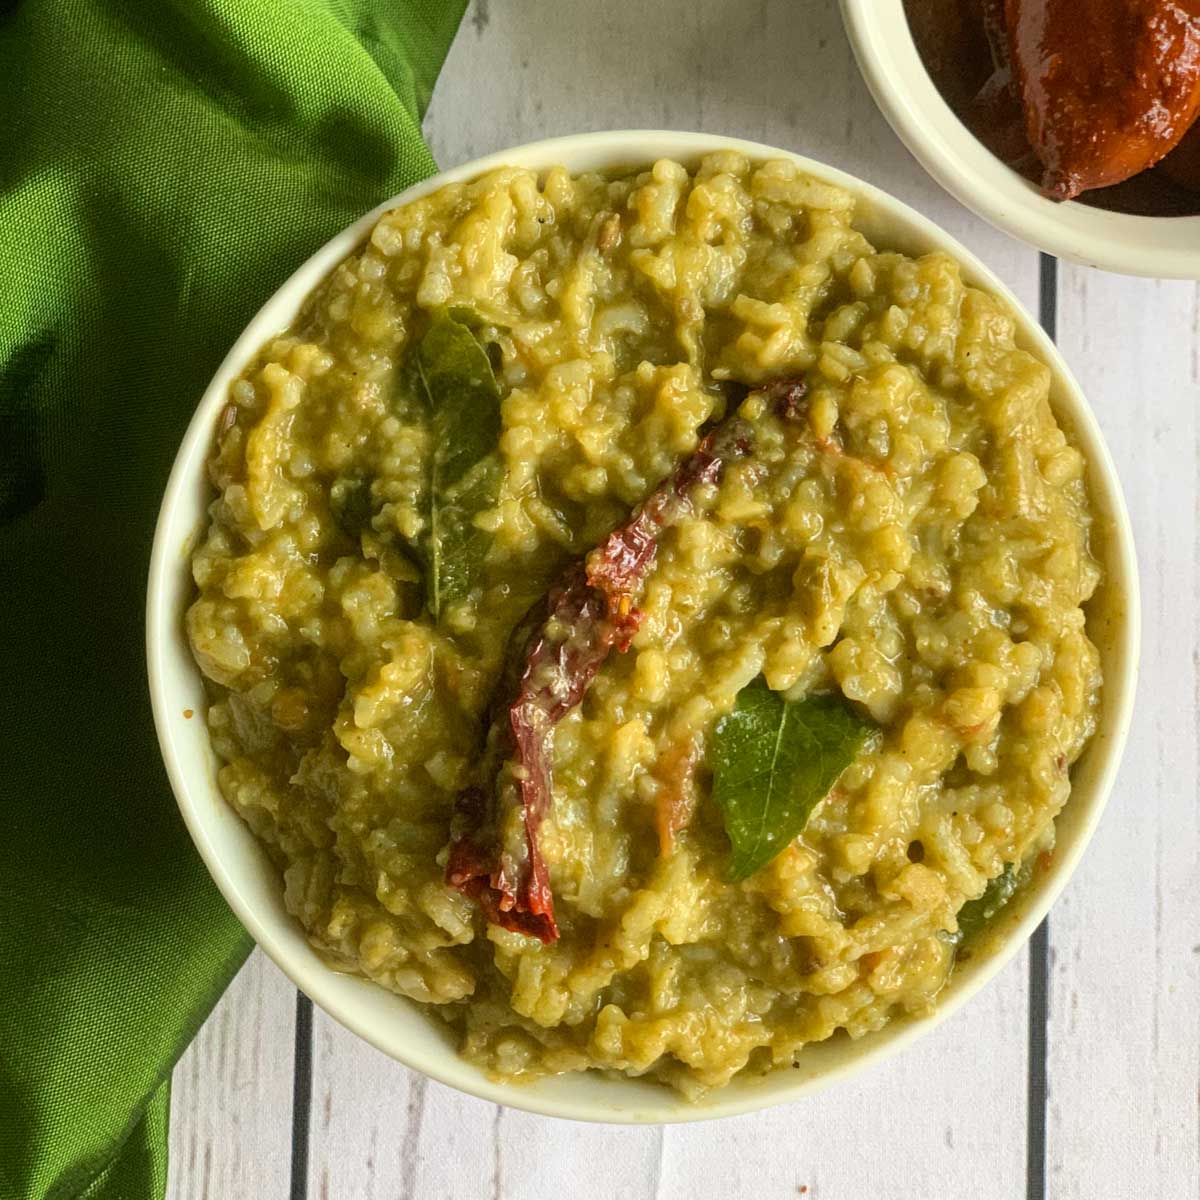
554 656
619 565
559 647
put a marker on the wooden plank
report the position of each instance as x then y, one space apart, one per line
944 1119
379 1130
1125 940
231 1093
949 1116
539 1159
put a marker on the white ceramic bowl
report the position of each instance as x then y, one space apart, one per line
1162 247
251 884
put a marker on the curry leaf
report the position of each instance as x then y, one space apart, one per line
465 316
975 914
773 762
463 404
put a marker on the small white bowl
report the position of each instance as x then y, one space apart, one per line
399 1028
1161 247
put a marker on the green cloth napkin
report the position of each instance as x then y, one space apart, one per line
164 165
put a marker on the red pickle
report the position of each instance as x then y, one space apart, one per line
553 657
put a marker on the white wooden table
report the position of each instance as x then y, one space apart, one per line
1075 1074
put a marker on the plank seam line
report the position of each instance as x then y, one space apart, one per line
1039 945
301 1097
1035 1143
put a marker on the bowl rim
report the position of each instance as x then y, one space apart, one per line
1155 247
204 809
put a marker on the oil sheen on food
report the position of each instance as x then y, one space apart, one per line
908 536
